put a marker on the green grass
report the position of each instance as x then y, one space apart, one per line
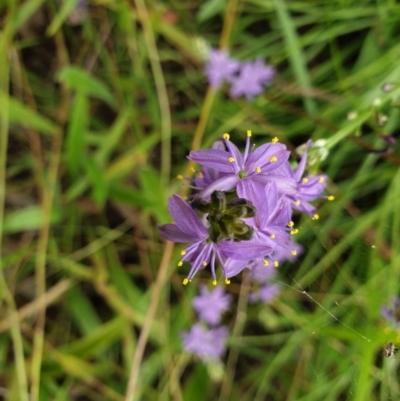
96 122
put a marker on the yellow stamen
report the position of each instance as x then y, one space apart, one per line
204 263
315 217
226 136
321 180
275 140
180 263
258 169
214 282
185 281
227 281
273 159
290 224
276 263
249 133
179 177
304 180
331 198
192 169
200 175
272 236
266 263
294 252
294 232
297 203
183 253
231 159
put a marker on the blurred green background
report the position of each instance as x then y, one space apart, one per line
99 105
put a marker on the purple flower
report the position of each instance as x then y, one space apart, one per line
211 304
392 314
253 76
265 293
220 67
202 251
308 188
261 165
206 344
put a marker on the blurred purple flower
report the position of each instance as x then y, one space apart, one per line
189 228
220 67
261 271
210 305
252 78
261 164
206 344
265 293
392 313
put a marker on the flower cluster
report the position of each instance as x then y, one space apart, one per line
246 78
241 215
208 343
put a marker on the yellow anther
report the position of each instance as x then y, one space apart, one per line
227 281
304 180
290 224
180 263
276 263
179 177
294 252
249 133
331 198
266 263
321 180
272 236
226 136
204 263
294 232
192 169
258 169
185 281
231 159
275 140
200 175
297 203
214 282
315 217
273 159
183 253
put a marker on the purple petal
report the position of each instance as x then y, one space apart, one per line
172 232
262 155
185 218
244 250
263 196
213 158
225 183
302 164
236 154
233 267
285 185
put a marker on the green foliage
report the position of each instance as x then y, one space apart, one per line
84 182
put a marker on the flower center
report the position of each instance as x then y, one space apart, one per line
242 174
